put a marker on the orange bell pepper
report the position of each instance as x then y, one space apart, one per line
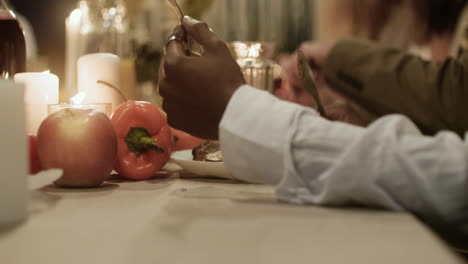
184 141
144 139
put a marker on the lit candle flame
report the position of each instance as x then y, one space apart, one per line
78 98
247 50
75 17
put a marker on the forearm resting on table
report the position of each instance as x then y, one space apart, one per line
386 81
314 161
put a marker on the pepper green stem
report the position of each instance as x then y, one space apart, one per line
139 141
150 144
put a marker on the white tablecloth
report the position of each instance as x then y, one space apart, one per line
208 221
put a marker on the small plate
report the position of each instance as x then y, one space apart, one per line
185 160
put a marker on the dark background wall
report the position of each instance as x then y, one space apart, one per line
48 20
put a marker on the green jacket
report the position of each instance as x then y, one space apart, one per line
386 81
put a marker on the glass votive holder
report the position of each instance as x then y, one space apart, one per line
105 108
256 65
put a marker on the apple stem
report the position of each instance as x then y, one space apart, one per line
117 90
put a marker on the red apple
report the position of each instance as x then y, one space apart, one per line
34 163
82 143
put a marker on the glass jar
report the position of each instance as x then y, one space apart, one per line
103 26
98 26
254 58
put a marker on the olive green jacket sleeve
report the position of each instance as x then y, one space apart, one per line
386 81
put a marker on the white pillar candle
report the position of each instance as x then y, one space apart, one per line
73 50
41 90
99 67
13 154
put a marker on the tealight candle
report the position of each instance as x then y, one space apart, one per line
99 67
106 108
257 69
13 154
41 89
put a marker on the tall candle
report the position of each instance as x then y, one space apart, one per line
41 89
72 41
99 67
13 154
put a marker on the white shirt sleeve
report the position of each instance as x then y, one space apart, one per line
311 160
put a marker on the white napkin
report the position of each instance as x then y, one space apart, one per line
44 178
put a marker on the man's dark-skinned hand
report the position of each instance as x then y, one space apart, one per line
197 89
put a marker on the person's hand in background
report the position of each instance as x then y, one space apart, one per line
337 107
197 89
342 111
291 89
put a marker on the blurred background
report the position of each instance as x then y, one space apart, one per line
144 25
287 22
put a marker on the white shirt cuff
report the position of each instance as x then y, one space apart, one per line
253 135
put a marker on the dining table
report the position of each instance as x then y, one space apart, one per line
179 217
